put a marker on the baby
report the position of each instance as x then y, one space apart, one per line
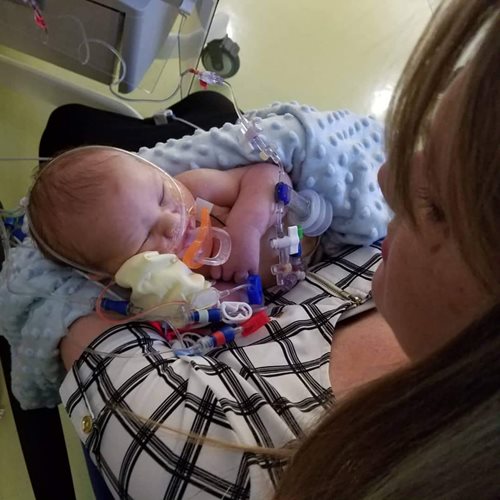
98 206
103 208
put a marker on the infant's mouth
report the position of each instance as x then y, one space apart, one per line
188 236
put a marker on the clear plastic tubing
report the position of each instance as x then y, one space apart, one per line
311 210
299 205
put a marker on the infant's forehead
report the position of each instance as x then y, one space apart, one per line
123 163
102 165
76 162
112 167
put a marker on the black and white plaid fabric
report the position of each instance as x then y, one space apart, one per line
264 390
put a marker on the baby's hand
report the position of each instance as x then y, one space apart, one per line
244 258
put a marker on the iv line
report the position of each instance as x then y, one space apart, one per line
27 158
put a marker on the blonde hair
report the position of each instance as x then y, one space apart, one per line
64 189
467 29
427 431
431 430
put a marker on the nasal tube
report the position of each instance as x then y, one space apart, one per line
309 209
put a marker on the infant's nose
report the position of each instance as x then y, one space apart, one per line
171 224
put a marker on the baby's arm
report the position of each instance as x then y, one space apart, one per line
249 194
337 154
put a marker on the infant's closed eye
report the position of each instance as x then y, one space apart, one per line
162 196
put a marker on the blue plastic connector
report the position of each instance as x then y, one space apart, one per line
255 291
229 333
213 315
14 227
119 306
282 192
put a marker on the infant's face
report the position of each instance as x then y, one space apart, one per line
140 214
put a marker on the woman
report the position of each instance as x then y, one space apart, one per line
429 430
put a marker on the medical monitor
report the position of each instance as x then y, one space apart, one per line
104 40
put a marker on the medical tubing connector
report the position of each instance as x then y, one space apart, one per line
224 335
180 314
288 270
250 129
309 209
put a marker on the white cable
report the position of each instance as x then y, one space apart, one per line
196 127
27 158
80 25
84 59
123 65
109 291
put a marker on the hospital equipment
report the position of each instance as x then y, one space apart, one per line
221 56
109 37
221 336
204 306
163 287
195 309
311 211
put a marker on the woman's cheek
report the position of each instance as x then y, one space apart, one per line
378 286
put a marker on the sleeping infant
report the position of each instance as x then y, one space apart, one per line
106 206
96 207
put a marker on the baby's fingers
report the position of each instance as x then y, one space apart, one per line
228 273
240 277
216 272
